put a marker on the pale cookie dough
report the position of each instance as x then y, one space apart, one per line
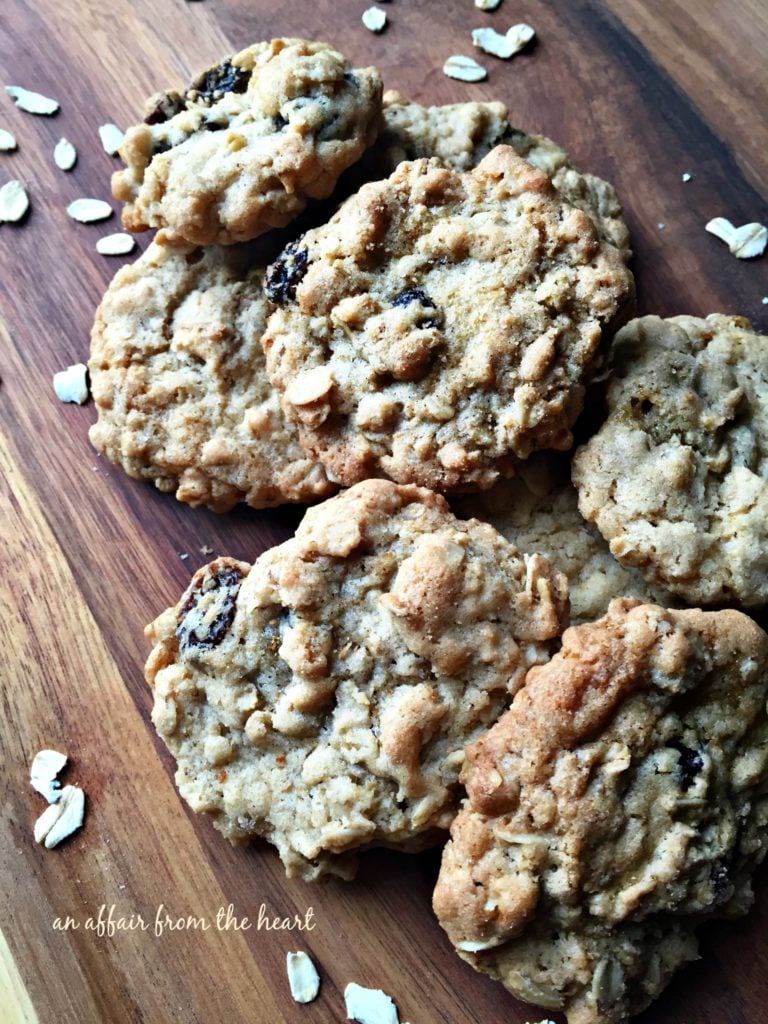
462 134
677 478
537 510
250 141
179 380
322 698
622 800
443 325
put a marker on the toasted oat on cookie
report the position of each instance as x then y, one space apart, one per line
537 510
677 478
617 804
322 697
462 134
180 383
248 144
443 325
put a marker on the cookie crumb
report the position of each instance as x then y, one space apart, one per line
14 202
71 385
369 1005
487 5
503 46
661 225
86 211
206 549
374 19
764 300
64 155
302 977
687 176
32 102
464 69
183 555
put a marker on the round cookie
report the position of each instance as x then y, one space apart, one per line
462 134
322 697
677 478
180 384
619 802
250 141
443 325
537 510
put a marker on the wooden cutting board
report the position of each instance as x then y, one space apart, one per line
639 91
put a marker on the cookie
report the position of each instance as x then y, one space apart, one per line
248 144
677 478
537 510
462 134
443 325
617 804
322 697
179 380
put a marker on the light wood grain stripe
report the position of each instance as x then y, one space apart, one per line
15 1004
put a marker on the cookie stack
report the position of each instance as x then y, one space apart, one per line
395 671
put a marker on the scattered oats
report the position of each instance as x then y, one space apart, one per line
493 42
375 19
206 549
32 102
7 141
183 555
119 244
42 775
687 176
721 228
71 384
65 155
464 69
745 242
62 818
749 241
487 5
302 977
111 138
14 201
89 210
369 1005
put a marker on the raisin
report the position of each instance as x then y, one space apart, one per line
208 611
285 274
224 77
212 126
164 106
280 122
691 763
351 77
409 295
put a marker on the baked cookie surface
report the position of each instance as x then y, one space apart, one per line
621 800
443 325
677 478
248 144
462 134
179 379
537 510
322 697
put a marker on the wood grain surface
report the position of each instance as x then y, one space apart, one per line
639 91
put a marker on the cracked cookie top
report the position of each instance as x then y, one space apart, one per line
443 325
620 801
677 478
180 384
250 141
322 697
462 134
